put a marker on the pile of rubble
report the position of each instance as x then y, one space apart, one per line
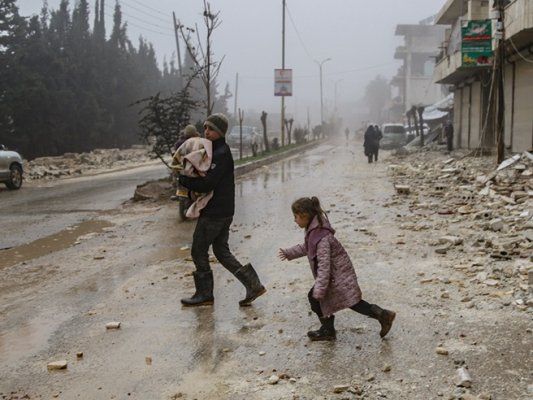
77 164
479 212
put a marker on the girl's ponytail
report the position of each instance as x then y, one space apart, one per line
310 206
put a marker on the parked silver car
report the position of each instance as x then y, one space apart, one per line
250 137
11 168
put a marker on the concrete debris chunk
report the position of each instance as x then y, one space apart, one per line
450 239
54 365
508 162
402 189
340 388
463 378
113 325
496 224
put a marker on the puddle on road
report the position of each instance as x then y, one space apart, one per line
50 244
279 174
28 337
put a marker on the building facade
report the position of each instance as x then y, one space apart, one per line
414 79
474 85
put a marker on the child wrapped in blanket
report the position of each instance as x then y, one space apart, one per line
193 158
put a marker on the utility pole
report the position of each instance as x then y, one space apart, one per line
236 94
321 94
499 77
177 26
283 67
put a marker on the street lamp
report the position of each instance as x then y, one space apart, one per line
336 82
320 63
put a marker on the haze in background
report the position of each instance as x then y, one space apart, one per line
357 35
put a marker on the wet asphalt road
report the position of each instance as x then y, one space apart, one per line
136 268
40 209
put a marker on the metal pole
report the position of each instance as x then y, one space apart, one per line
176 27
500 60
236 94
321 99
321 96
283 67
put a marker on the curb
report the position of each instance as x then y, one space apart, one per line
252 165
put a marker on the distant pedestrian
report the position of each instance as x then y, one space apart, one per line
448 132
371 142
335 286
347 133
213 226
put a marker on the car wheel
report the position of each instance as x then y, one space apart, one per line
15 177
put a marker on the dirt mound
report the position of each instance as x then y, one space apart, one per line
154 191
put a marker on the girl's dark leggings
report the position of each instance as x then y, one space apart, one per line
362 307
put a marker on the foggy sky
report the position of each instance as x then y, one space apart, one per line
357 35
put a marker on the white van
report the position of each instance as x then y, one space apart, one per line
394 136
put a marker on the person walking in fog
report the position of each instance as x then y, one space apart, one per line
212 227
335 286
347 133
448 131
371 142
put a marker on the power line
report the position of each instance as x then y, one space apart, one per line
142 27
298 34
519 53
165 21
142 21
148 7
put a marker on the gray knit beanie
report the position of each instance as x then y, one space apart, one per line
219 122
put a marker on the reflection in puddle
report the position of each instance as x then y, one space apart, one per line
279 174
50 244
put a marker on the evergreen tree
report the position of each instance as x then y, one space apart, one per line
12 36
64 88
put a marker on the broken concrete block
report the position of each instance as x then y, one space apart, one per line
450 239
402 189
485 214
508 162
442 249
113 325
491 282
496 224
61 364
340 388
463 378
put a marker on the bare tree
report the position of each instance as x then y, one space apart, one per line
202 53
265 136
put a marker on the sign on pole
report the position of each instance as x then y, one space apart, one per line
283 82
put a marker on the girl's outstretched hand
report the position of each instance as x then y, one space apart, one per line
282 256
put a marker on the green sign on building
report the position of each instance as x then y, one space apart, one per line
477 43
